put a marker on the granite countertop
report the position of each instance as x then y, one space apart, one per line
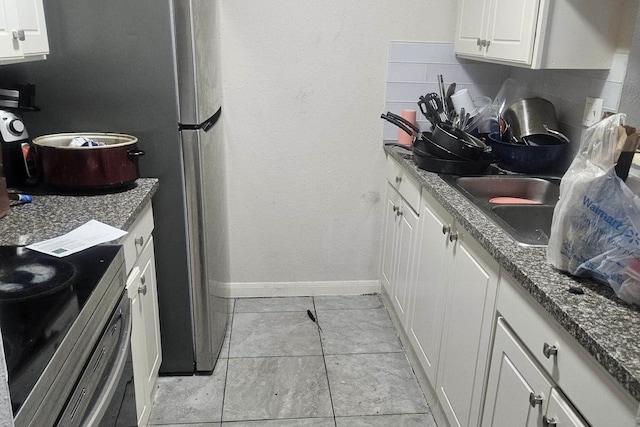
50 216
604 325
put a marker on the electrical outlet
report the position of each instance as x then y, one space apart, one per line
592 111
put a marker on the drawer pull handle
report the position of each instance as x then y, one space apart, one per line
398 179
446 229
535 399
549 422
142 289
549 350
453 237
139 241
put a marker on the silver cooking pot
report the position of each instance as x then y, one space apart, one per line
532 116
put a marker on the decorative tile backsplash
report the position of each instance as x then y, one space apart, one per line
413 67
413 70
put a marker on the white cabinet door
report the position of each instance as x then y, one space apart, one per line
469 313
392 203
517 388
10 48
150 318
145 330
561 412
471 26
138 346
511 30
31 21
432 253
503 30
408 221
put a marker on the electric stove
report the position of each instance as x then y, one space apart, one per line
40 299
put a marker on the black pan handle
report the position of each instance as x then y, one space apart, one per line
405 121
135 153
399 124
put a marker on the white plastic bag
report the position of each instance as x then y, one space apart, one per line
596 223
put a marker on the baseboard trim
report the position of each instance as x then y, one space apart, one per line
298 289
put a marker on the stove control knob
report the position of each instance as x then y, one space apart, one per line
16 127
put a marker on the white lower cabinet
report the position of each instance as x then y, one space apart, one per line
580 388
491 353
517 388
142 291
451 317
428 296
471 282
400 229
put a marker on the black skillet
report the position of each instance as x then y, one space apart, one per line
427 161
429 146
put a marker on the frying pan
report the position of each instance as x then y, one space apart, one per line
458 142
423 149
428 145
453 167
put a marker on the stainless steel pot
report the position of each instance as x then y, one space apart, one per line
532 116
114 164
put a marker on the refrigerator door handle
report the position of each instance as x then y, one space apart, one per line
205 126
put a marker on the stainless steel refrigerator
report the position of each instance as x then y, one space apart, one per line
150 68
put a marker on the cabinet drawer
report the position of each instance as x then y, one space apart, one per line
592 389
137 236
400 179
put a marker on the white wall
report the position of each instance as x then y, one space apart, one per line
304 86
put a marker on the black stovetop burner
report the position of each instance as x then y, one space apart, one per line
40 298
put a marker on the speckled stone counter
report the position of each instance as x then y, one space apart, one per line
51 216
605 326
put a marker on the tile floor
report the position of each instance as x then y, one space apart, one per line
276 368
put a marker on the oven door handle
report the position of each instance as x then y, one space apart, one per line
109 389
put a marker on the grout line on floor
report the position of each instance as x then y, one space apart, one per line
324 361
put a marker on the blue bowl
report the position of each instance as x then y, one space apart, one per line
525 158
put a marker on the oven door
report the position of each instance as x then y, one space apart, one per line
102 388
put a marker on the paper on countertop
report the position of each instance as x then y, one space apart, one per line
86 236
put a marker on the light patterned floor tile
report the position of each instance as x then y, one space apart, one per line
276 387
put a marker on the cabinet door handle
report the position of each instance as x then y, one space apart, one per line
549 422
142 289
446 229
488 43
139 241
484 43
549 350
479 42
535 399
398 179
19 35
453 237
396 208
399 212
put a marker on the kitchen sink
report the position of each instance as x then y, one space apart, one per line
532 223
528 224
484 188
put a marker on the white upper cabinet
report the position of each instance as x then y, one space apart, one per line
560 34
23 31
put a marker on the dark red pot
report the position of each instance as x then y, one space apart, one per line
113 165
